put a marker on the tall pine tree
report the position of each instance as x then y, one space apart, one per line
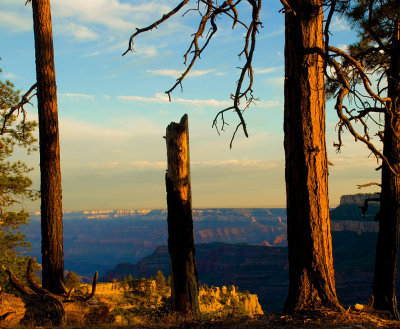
15 184
50 169
377 51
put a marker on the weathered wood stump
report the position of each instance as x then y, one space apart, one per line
184 290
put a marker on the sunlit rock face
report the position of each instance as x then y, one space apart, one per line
215 299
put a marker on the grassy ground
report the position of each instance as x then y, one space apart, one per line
323 320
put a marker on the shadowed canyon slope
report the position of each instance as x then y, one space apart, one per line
98 240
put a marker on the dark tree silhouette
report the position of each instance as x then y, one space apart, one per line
184 287
376 52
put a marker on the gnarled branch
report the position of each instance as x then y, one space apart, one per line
243 97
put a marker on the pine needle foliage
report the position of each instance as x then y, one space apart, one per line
15 184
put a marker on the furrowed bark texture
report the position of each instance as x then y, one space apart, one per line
384 284
51 203
184 291
311 273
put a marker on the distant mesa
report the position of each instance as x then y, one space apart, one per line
358 199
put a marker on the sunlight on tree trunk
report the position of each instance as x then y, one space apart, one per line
51 203
311 273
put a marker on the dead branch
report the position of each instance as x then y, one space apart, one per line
16 283
26 99
364 208
243 96
154 25
345 88
94 283
363 75
286 8
368 184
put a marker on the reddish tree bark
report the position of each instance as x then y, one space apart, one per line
51 198
311 273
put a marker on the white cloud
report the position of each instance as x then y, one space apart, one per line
79 130
163 98
272 34
266 70
176 73
75 96
339 24
268 104
17 22
146 51
158 98
343 47
78 31
143 164
93 53
8 75
236 162
276 82
112 14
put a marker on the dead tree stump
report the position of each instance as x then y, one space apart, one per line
184 287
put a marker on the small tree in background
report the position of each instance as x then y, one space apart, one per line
160 281
15 185
72 280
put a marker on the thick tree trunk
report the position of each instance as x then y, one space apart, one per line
384 284
184 290
51 203
311 273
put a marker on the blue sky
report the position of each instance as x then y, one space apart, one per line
113 111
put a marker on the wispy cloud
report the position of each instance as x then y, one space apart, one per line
177 73
343 47
17 22
236 162
113 14
339 24
8 75
163 98
267 70
148 51
91 54
268 104
76 96
144 164
114 164
273 33
276 82
78 31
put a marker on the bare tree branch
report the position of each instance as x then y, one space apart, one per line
209 11
154 25
368 184
26 98
345 88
